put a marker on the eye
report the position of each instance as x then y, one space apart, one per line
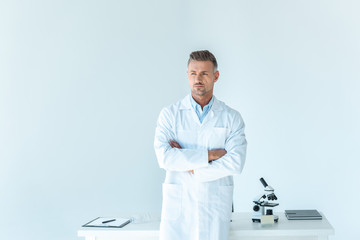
205 74
192 73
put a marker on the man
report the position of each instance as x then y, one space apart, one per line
201 144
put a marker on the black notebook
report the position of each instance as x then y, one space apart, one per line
303 214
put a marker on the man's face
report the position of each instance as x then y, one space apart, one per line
202 78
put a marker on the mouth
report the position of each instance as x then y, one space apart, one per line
198 86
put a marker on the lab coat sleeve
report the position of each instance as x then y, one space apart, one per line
174 159
233 161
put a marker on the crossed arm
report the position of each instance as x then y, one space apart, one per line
207 165
212 154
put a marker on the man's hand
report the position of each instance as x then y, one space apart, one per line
216 154
174 144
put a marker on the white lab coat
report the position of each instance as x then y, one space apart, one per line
198 206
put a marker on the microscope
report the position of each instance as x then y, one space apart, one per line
263 207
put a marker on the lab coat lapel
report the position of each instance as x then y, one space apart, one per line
213 111
186 104
217 106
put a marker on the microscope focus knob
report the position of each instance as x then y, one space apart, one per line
256 208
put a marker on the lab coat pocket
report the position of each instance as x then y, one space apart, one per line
225 197
217 138
171 205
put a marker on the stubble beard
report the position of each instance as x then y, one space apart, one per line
199 93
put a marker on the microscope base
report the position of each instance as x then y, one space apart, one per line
258 218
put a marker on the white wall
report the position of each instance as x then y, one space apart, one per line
82 83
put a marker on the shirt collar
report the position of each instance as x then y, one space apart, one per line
185 103
197 106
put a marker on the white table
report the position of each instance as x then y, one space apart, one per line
241 228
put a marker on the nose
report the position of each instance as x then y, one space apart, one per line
198 77
198 82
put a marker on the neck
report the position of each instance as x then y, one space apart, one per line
202 100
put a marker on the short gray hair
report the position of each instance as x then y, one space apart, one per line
203 55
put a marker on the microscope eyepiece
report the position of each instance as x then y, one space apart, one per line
263 182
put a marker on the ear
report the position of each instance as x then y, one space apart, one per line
217 74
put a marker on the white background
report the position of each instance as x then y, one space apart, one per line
82 84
